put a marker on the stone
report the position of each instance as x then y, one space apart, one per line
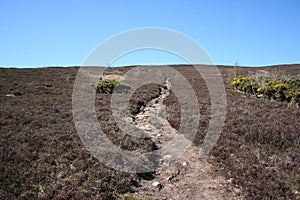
145 128
260 95
156 184
166 157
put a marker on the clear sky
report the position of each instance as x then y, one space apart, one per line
37 33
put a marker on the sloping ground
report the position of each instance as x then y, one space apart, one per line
258 150
43 157
259 147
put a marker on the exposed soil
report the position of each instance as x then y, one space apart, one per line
42 156
189 178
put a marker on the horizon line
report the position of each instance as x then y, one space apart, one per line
134 65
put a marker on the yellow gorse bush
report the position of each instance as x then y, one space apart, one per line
244 84
238 80
278 89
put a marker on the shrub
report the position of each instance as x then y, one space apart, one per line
273 89
245 84
293 92
107 86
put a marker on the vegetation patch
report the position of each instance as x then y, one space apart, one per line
107 86
278 89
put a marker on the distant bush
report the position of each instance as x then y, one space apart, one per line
293 92
108 86
273 89
245 84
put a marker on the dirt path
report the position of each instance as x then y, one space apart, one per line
187 178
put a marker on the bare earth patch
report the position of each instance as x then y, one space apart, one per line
189 178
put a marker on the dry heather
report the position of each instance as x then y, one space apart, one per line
43 157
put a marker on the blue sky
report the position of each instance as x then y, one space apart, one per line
63 32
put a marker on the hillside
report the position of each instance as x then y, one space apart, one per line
257 155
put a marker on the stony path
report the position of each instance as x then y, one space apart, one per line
152 119
186 178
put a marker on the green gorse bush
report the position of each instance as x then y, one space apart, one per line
106 86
